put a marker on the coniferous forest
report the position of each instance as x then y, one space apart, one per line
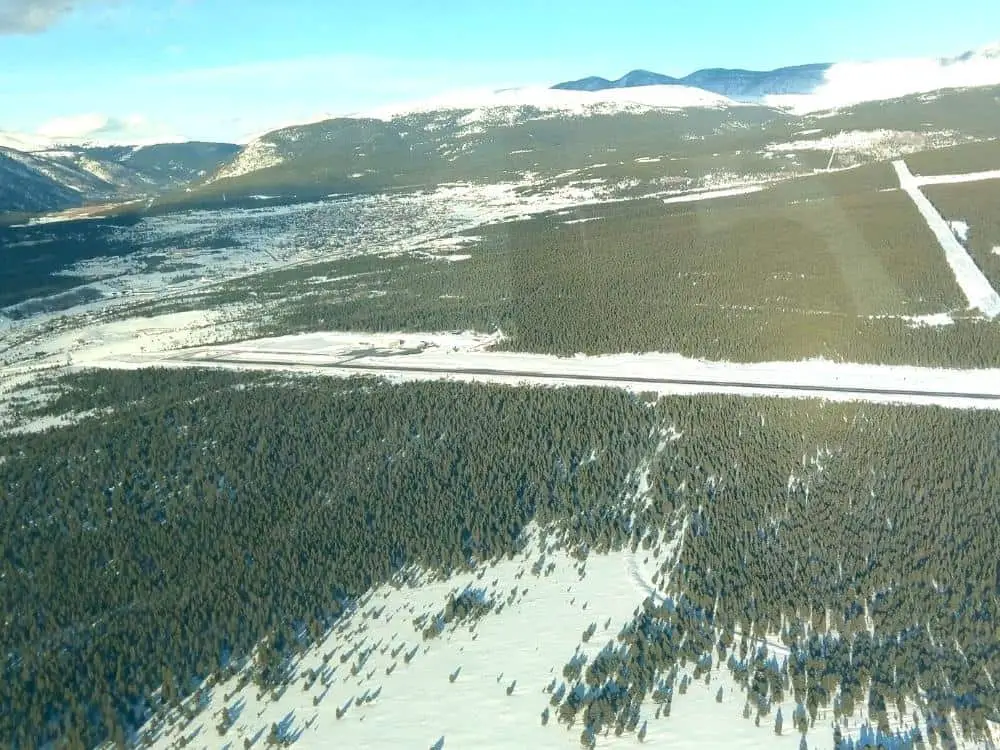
202 513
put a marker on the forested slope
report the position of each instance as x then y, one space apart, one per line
157 544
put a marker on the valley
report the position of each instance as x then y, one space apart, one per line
651 410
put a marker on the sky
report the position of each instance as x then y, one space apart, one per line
230 69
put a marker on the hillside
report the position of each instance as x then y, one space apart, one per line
639 139
52 176
23 188
490 137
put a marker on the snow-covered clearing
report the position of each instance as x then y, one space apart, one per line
467 357
869 144
256 155
706 195
134 336
500 663
483 683
970 278
996 250
960 229
931 320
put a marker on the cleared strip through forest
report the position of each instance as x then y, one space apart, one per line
970 278
954 179
735 379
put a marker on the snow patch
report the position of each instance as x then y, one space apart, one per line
960 229
256 155
97 169
471 686
509 106
712 194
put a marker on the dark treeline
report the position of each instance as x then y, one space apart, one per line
213 511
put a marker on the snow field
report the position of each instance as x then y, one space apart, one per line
875 144
494 107
525 646
960 229
484 683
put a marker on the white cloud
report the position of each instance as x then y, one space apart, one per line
98 128
33 16
355 73
240 100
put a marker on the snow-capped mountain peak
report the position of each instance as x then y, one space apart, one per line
579 103
819 86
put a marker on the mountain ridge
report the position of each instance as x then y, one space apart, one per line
816 86
45 175
740 84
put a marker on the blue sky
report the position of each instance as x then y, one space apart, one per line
224 69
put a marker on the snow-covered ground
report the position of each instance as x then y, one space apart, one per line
468 357
483 683
954 179
855 146
28 359
960 229
712 194
970 278
256 155
494 106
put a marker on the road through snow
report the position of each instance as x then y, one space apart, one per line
974 284
467 357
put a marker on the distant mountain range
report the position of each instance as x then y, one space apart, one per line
821 86
487 134
737 84
37 176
